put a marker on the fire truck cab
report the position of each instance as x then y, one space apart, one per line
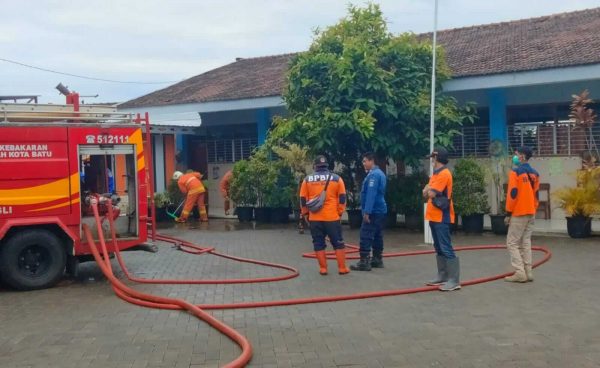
55 160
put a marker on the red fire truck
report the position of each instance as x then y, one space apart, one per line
55 160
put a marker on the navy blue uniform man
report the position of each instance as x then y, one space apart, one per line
374 210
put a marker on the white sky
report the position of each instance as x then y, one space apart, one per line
154 41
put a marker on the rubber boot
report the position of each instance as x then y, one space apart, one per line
453 269
377 260
364 264
529 273
340 255
518 276
442 275
322 258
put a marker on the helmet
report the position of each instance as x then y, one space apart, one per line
177 175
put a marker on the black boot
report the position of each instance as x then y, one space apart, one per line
363 265
377 260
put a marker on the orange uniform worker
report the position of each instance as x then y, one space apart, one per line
323 200
224 186
191 185
521 206
440 214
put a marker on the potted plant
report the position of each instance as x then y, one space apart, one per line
411 199
243 190
469 194
581 203
499 168
353 209
263 179
352 197
278 198
176 198
296 158
161 203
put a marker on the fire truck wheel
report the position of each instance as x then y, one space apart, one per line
32 259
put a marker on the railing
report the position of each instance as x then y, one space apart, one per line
472 141
562 139
230 150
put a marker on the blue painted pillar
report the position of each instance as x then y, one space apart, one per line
263 121
498 123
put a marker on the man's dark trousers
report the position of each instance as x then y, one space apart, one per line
371 235
320 230
442 242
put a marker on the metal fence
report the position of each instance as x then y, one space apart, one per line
472 141
561 139
230 150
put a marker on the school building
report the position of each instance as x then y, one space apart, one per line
521 74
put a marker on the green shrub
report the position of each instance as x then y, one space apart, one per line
411 193
243 188
161 200
469 194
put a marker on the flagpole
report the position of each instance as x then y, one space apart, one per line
428 237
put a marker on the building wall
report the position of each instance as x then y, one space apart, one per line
212 180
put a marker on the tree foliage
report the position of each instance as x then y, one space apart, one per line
359 88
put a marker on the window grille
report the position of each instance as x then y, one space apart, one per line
230 150
554 139
472 141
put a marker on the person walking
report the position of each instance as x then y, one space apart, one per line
521 207
323 201
440 214
374 210
191 185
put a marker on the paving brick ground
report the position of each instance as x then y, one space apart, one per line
553 322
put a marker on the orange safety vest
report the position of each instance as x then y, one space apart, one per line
190 183
522 197
335 198
440 181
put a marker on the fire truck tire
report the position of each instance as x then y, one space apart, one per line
32 259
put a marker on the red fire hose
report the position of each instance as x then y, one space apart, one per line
152 301
136 297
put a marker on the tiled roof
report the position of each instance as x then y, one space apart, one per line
245 78
553 41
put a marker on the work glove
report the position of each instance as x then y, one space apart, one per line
507 220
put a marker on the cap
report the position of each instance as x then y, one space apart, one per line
177 175
441 155
525 151
321 161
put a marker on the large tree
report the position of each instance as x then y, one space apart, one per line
361 88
